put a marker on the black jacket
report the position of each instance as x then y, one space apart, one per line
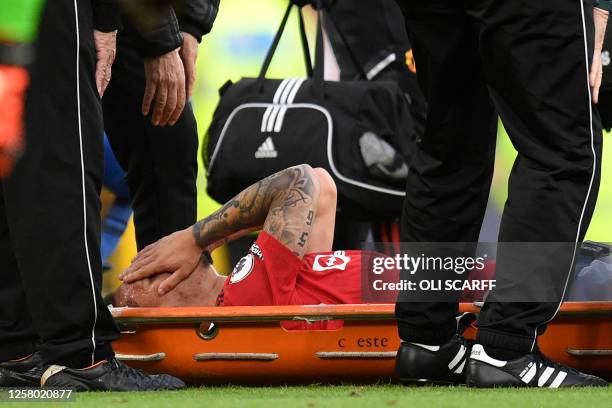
155 26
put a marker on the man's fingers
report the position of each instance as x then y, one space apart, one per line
145 271
160 103
170 104
189 77
149 95
170 283
180 105
596 89
99 75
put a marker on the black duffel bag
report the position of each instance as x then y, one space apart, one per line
360 131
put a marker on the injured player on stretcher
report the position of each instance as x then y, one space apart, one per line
291 262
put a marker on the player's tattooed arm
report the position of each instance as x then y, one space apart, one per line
283 204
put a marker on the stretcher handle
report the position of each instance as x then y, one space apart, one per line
236 356
589 353
141 357
336 355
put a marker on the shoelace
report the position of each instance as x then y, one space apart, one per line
540 358
128 371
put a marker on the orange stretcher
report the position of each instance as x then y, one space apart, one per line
248 345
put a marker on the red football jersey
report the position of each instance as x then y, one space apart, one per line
270 274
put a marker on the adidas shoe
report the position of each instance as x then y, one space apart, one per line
107 375
22 373
530 370
445 364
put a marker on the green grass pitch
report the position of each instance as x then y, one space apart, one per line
350 396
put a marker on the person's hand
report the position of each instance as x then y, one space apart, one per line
177 254
165 78
106 48
189 55
600 18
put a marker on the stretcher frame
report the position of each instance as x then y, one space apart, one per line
248 345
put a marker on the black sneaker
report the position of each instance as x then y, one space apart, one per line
530 370
22 373
420 363
107 375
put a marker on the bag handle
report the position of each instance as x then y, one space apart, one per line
317 73
276 41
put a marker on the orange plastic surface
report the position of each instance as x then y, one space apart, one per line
362 351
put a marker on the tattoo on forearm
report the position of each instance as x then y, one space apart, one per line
310 218
284 204
303 239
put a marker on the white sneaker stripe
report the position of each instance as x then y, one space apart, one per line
530 374
457 358
545 376
558 380
460 369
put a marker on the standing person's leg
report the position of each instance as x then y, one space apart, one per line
17 335
450 176
160 161
537 65
52 199
449 180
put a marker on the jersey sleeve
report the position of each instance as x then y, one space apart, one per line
265 276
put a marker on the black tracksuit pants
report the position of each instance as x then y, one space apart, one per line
50 267
160 162
528 61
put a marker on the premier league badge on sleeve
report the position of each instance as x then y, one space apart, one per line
243 269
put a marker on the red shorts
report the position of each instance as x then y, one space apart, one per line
270 274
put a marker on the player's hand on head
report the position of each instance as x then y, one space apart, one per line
177 254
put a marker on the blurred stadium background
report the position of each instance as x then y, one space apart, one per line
236 48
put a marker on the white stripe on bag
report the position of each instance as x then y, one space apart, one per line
276 108
277 94
279 121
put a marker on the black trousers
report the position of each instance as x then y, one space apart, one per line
529 62
50 267
160 162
